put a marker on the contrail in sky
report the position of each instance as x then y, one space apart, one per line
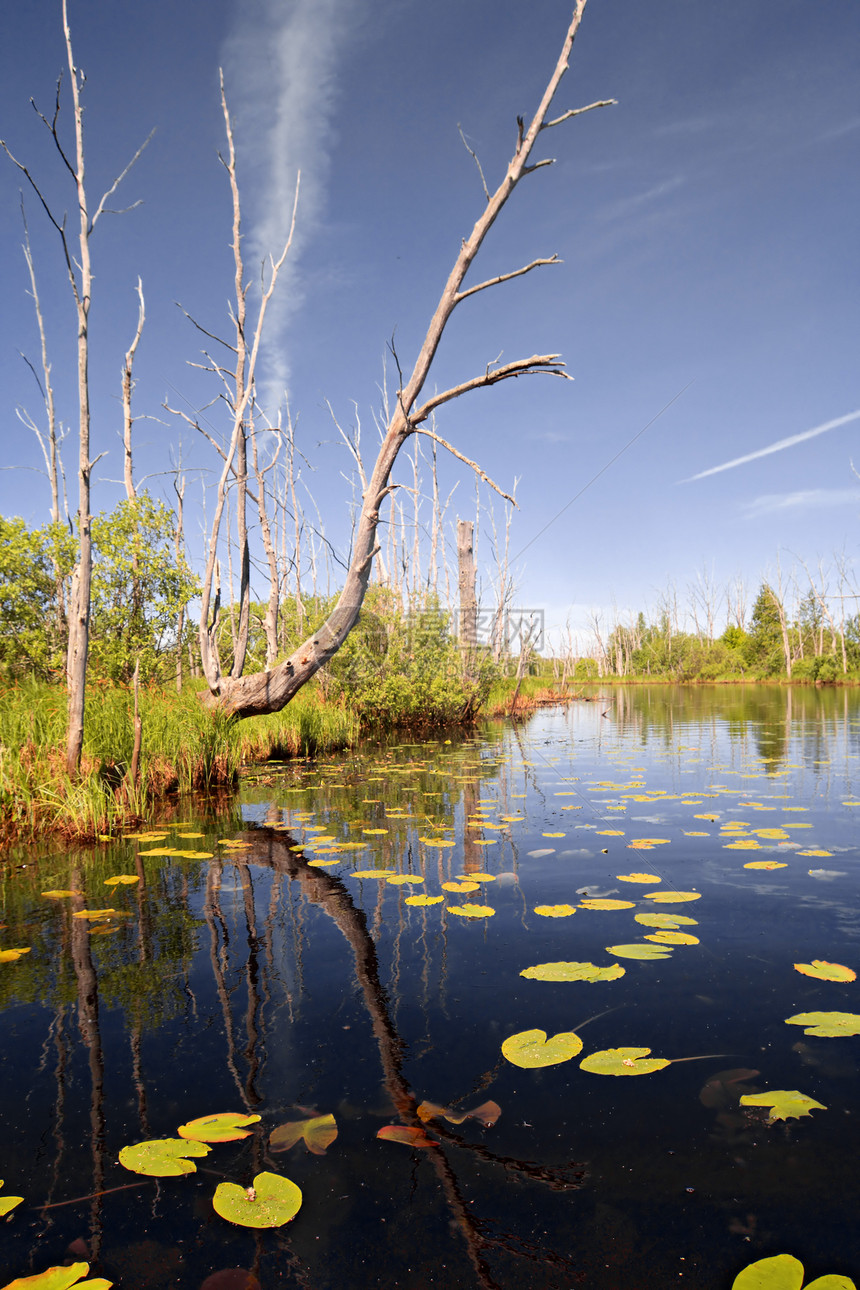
776 447
281 70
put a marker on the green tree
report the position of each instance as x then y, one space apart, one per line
763 646
138 588
32 627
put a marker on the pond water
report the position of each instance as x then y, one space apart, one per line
255 970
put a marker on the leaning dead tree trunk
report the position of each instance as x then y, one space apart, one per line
271 690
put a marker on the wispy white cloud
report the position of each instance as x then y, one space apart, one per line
636 201
281 65
780 444
804 500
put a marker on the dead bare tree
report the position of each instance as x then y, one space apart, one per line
79 269
271 690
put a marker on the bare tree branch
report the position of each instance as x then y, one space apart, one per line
589 107
538 364
474 157
506 277
477 469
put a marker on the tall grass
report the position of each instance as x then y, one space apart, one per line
184 747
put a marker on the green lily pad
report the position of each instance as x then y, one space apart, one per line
827 1023
573 972
784 1104
270 1202
163 1157
318 1132
226 1126
531 1048
784 1272
637 951
60 1279
623 1061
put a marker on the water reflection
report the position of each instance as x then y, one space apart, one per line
272 979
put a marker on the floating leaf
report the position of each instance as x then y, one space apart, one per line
401 879
636 950
638 877
318 1132
162 1158
374 831
471 911
460 886
666 937
409 1135
94 913
270 1202
477 877
440 842
827 1023
320 864
825 971
531 1048
553 835
673 897
784 1105
765 864
573 972
555 911
665 920
607 904
374 873
784 1272
623 1061
487 1113
9 956
60 1278
645 844
56 894
125 879
8 1203
225 1126
424 900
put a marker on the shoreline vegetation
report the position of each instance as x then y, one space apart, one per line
184 748
149 738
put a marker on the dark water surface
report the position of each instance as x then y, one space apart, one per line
247 978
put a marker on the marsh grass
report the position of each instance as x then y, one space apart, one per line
184 748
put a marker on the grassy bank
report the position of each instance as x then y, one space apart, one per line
183 748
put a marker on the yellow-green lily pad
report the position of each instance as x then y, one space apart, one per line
225 1126
665 920
639 951
60 1278
531 1048
573 972
784 1104
827 1023
163 1157
270 1202
8 1203
825 971
784 1272
623 1061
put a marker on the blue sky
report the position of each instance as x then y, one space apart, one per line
707 225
